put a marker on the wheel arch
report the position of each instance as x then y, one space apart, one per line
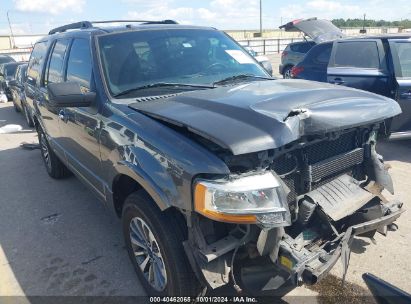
127 181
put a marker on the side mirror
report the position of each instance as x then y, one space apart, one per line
267 66
69 94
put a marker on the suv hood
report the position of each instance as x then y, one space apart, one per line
264 115
318 30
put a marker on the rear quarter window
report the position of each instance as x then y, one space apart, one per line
357 54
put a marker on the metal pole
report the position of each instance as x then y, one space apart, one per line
11 32
261 19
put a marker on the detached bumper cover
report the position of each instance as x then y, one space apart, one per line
310 268
312 275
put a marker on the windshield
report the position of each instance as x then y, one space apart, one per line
401 55
180 56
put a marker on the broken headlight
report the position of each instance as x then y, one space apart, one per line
256 199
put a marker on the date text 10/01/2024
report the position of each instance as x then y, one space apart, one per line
205 299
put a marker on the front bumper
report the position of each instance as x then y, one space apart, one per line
313 275
310 269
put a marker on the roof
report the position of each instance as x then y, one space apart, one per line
88 27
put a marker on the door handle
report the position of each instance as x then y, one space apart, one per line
337 81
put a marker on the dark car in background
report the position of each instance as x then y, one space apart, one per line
315 31
379 64
220 173
19 96
6 59
7 73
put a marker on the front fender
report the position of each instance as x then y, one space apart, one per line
140 176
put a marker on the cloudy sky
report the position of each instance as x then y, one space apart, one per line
38 16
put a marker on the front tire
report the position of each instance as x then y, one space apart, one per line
54 166
154 244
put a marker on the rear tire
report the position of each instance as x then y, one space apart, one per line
54 166
287 72
161 243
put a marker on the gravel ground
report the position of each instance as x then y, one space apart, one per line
57 239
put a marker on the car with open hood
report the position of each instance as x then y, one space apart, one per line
315 31
220 173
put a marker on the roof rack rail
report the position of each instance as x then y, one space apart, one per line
71 26
137 21
89 24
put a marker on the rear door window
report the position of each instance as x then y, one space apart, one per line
54 72
79 64
36 62
357 54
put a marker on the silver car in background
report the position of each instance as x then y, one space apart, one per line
315 31
293 54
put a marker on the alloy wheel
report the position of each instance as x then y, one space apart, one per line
148 254
287 74
45 151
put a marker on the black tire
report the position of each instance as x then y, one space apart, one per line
27 116
180 279
287 72
54 166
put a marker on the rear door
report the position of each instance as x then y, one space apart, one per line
34 72
360 64
53 74
401 61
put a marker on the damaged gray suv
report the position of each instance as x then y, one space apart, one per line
220 173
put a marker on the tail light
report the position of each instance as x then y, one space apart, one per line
283 54
296 70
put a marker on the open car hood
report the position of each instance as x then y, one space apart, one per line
264 115
319 30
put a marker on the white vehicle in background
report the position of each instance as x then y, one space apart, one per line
263 60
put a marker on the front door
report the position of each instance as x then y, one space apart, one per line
401 59
80 127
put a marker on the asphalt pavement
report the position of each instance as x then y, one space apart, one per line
57 239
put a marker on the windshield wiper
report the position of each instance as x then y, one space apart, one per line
241 77
163 84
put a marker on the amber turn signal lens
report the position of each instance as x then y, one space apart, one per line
200 206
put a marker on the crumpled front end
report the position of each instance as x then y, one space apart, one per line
332 185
